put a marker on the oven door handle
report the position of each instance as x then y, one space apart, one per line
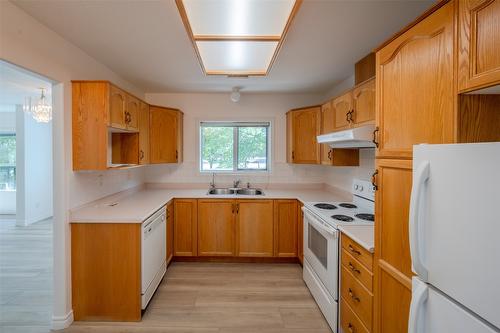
318 224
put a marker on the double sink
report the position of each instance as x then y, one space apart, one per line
241 191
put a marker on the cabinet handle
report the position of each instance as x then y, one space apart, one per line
232 208
176 155
375 137
330 154
374 180
353 296
351 120
237 208
347 116
350 327
353 268
293 155
141 156
353 250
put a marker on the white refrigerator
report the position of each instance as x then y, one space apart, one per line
455 238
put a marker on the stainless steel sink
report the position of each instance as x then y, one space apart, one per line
221 191
250 191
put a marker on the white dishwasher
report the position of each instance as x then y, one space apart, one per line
153 254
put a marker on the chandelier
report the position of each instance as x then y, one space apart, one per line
41 111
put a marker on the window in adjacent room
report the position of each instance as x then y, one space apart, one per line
234 146
7 162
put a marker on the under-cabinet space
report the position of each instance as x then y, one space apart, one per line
478 118
123 150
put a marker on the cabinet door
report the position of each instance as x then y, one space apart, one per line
144 134
164 134
392 256
415 91
132 113
216 227
327 126
300 232
342 105
185 227
254 228
285 228
363 98
170 231
479 38
306 125
117 106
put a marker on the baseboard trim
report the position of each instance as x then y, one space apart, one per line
62 322
281 260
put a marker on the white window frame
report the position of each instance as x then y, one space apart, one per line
235 125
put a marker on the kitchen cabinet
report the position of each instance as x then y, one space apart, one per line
327 126
342 106
216 225
170 231
117 107
144 133
300 232
132 113
285 228
185 227
479 37
392 282
363 101
254 228
165 135
303 126
415 87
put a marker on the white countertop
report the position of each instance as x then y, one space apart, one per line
136 206
364 235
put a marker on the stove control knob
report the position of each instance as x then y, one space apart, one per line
356 187
361 187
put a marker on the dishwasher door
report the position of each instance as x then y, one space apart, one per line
153 248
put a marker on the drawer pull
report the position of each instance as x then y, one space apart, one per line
353 250
350 327
354 297
353 268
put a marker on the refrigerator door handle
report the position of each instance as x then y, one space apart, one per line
421 176
419 295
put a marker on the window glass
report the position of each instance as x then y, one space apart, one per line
7 162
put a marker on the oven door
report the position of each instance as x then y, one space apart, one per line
321 246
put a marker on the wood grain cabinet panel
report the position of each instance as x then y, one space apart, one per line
185 227
133 108
357 296
285 228
327 126
144 134
170 231
216 227
304 125
117 107
416 93
342 105
300 232
349 321
254 228
479 39
363 99
165 135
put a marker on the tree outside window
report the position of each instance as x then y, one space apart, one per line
7 162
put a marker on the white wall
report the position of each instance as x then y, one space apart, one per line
252 107
27 43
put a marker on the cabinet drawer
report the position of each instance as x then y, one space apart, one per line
357 296
360 272
349 321
358 252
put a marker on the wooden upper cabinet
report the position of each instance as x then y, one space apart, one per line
285 228
117 107
216 225
165 135
303 126
342 105
327 126
170 230
132 111
479 40
363 99
254 228
144 133
185 227
416 93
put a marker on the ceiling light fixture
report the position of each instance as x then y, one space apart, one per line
237 37
41 111
235 95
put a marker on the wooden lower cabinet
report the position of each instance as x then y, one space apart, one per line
285 228
106 271
392 284
216 224
254 228
170 231
300 232
185 227
349 321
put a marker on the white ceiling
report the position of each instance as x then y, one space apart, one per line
145 41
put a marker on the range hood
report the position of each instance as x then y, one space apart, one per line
359 137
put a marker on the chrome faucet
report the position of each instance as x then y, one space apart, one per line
212 184
236 183
248 184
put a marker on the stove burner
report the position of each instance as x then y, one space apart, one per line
325 206
366 217
343 218
348 205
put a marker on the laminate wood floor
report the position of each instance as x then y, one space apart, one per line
225 298
25 277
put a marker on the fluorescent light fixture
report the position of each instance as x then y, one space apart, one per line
237 37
